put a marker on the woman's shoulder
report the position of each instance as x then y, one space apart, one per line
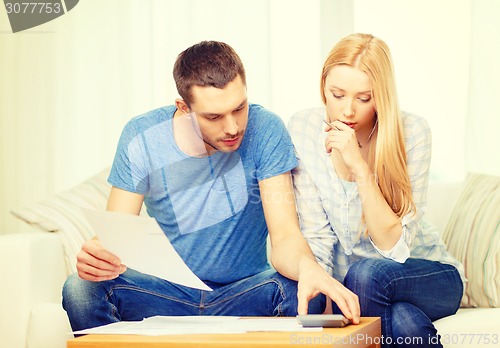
416 130
307 120
413 121
310 114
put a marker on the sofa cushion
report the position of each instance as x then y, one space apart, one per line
473 237
470 327
61 214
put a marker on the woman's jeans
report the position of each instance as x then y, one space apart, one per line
407 296
135 296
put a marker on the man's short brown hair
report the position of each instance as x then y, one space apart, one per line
208 63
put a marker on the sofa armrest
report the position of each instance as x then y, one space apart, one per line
32 271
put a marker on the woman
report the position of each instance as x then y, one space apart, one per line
361 190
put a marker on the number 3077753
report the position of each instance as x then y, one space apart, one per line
33 7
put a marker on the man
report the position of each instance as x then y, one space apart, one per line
214 171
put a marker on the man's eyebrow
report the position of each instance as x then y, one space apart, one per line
242 104
209 114
213 114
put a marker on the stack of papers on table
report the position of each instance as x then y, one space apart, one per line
182 325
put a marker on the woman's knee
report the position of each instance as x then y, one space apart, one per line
366 274
410 326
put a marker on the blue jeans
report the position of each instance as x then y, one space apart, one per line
407 297
135 296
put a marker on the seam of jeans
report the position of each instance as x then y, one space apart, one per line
202 302
137 289
422 276
280 287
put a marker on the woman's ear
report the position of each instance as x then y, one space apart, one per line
181 105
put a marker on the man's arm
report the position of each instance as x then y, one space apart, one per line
290 253
95 263
124 201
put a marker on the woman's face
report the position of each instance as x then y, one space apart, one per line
349 98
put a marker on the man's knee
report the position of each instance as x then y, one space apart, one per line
72 287
77 291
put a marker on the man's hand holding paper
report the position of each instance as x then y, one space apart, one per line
96 264
139 243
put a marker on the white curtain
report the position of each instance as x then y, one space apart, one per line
482 150
447 61
430 44
68 87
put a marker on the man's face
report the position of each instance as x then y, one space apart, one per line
222 115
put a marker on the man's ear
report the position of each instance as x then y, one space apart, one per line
181 105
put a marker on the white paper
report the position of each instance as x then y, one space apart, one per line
184 325
165 325
271 324
140 244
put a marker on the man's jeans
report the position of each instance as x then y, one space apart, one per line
135 296
407 296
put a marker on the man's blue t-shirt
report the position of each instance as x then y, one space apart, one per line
209 207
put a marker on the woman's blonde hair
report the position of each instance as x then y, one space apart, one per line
372 55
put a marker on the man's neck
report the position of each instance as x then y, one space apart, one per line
188 136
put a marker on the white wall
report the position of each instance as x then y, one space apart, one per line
68 87
429 42
483 121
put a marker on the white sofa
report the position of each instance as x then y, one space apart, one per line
34 266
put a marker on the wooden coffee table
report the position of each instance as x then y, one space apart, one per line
366 334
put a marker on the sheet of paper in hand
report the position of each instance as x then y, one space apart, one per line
141 244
